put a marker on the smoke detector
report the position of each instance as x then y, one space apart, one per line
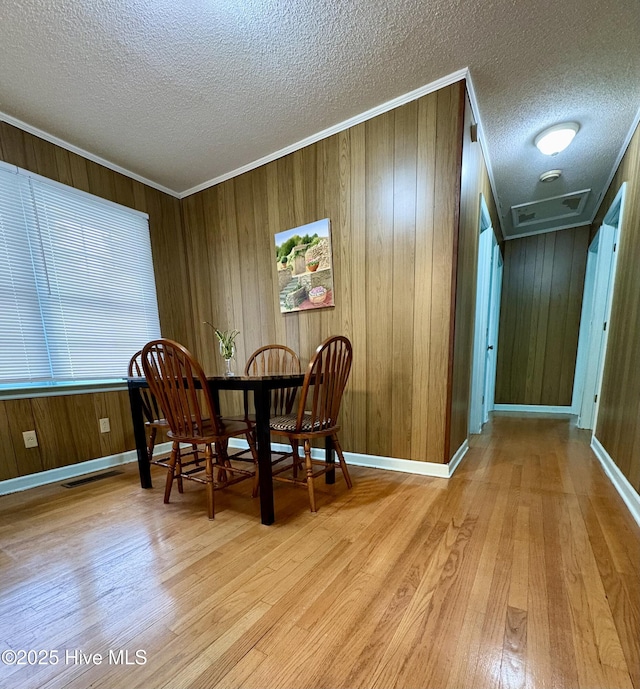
550 176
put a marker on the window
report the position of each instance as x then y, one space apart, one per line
77 291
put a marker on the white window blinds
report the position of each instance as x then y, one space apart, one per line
77 291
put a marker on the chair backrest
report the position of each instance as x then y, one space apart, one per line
275 358
179 384
324 383
150 409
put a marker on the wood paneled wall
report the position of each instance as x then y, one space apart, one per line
32 153
67 426
542 289
618 423
475 181
390 187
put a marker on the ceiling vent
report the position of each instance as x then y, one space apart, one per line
555 208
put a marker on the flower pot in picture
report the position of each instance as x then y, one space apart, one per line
313 265
317 295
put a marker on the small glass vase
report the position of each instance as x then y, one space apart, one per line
224 351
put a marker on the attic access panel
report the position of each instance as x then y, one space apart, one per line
546 210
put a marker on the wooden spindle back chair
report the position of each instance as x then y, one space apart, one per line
317 413
153 417
275 358
177 381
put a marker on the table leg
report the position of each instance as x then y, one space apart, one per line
329 458
144 469
262 402
215 397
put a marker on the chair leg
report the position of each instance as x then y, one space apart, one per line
254 454
178 471
343 464
208 458
295 456
309 466
223 460
171 472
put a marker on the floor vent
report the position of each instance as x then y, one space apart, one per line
91 479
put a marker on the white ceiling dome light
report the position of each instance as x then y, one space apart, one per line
556 138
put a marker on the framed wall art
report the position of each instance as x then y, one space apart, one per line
304 267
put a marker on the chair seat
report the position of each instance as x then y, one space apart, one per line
226 427
289 422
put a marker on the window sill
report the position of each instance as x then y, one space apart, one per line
46 389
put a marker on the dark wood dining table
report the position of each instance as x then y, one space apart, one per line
261 387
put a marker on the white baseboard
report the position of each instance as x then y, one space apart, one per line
42 478
408 466
546 409
619 480
457 457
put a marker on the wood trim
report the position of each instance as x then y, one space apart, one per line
462 108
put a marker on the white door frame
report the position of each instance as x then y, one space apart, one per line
596 313
495 294
580 381
486 245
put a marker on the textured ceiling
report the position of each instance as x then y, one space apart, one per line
181 93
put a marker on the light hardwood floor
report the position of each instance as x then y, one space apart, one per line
520 571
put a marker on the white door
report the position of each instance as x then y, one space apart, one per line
601 267
483 288
585 328
604 256
495 293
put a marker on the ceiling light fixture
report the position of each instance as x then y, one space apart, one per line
556 138
550 175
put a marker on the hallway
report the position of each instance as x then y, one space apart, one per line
520 571
573 551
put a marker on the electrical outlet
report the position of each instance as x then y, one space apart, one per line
30 439
105 426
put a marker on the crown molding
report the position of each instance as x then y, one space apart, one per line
431 87
335 129
14 122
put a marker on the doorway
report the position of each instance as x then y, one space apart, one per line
485 339
596 311
495 294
